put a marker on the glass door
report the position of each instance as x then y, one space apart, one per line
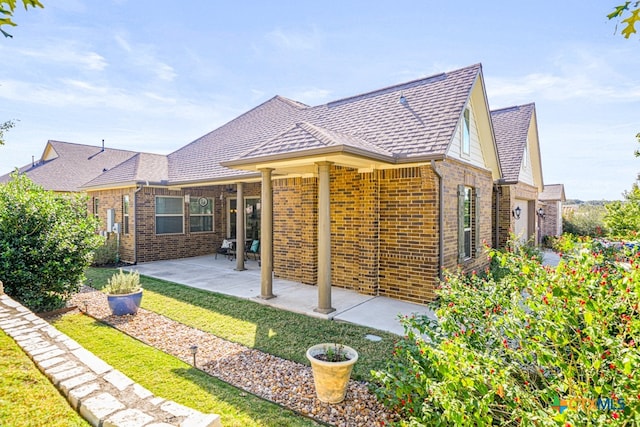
252 218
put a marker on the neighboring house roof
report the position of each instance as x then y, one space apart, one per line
142 167
515 129
552 193
66 166
511 127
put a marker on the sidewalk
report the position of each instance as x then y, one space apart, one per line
218 275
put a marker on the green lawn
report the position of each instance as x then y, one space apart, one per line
274 331
174 379
27 397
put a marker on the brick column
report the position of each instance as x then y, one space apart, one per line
324 239
266 236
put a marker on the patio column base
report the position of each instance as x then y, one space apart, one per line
270 296
324 310
239 269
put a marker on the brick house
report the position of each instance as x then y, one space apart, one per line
516 192
376 193
551 200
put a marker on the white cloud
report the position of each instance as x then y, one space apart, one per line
143 57
589 73
67 53
292 40
311 96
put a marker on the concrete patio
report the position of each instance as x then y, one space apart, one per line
219 275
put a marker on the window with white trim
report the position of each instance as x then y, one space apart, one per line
468 223
200 214
465 133
125 214
169 215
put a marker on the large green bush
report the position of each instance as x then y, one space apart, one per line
516 351
46 243
585 220
623 217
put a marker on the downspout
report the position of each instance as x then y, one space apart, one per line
440 218
496 242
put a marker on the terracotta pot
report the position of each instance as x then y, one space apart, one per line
124 303
331 378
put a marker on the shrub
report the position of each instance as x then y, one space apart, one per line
107 254
586 220
623 218
507 351
46 241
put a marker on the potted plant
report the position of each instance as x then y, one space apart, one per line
331 364
124 293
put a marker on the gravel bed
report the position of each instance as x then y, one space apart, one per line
287 383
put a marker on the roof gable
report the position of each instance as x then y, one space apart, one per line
516 130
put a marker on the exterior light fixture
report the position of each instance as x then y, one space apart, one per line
540 213
516 212
194 350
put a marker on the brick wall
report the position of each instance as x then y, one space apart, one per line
153 247
550 222
507 195
384 227
112 199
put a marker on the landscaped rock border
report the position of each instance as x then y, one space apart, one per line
101 394
281 381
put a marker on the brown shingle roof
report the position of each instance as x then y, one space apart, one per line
142 167
552 192
374 122
511 126
69 165
423 125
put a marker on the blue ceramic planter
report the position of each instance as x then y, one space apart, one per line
125 304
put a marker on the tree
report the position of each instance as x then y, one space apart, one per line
5 127
630 11
623 218
46 243
7 7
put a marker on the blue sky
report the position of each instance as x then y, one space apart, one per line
154 75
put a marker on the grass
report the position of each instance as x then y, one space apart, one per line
28 398
174 379
278 332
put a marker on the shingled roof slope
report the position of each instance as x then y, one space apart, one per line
552 193
142 167
72 166
375 122
200 160
511 127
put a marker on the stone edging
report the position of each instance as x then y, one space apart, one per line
101 394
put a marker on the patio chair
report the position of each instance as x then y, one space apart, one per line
255 250
224 248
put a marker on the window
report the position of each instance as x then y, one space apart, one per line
96 209
252 218
468 223
200 214
169 215
525 156
465 134
125 214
